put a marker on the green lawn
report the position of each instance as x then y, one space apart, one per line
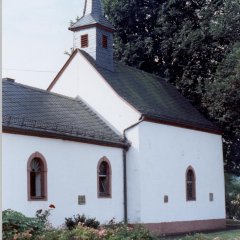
223 235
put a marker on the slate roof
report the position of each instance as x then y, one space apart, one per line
95 15
29 108
152 96
91 19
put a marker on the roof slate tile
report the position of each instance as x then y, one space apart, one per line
31 108
151 95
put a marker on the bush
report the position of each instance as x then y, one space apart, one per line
17 226
232 197
119 232
79 233
72 223
124 232
42 216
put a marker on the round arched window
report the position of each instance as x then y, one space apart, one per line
190 185
37 177
104 179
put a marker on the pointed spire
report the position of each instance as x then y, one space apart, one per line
93 13
93 7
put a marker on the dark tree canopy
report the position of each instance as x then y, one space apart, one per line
195 45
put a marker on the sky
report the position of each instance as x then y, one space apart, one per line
35 36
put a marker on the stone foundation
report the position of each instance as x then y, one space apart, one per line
186 226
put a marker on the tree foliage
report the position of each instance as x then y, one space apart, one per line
232 196
222 99
195 45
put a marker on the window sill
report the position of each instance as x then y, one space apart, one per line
191 200
37 199
104 196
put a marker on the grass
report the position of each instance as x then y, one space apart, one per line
233 234
222 235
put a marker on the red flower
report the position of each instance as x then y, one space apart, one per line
52 206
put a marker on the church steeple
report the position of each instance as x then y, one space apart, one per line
93 33
93 7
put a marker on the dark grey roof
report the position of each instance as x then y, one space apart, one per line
93 13
92 19
33 109
152 96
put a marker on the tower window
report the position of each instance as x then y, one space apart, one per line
84 41
104 41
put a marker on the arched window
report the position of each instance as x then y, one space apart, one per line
104 178
37 177
190 184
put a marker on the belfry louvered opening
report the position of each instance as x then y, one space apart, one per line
84 41
104 41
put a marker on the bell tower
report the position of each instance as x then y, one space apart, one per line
94 34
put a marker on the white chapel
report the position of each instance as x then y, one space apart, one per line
110 141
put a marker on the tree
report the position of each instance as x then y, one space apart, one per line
223 103
232 196
190 43
137 44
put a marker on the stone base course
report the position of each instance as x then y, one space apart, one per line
186 226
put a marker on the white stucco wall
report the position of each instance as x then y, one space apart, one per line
91 32
81 79
162 155
134 176
72 171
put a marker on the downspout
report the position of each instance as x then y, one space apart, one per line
125 213
125 203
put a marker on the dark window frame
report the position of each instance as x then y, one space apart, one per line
104 179
190 184
32 175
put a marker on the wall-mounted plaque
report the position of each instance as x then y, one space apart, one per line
81 200
165 199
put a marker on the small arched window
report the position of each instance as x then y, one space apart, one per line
190 184
104 178
37 177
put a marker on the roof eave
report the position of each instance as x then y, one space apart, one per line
182 125
108 29
48 134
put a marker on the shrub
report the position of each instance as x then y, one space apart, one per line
119 232
232 197
43 215
17 226
125 232
72 223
